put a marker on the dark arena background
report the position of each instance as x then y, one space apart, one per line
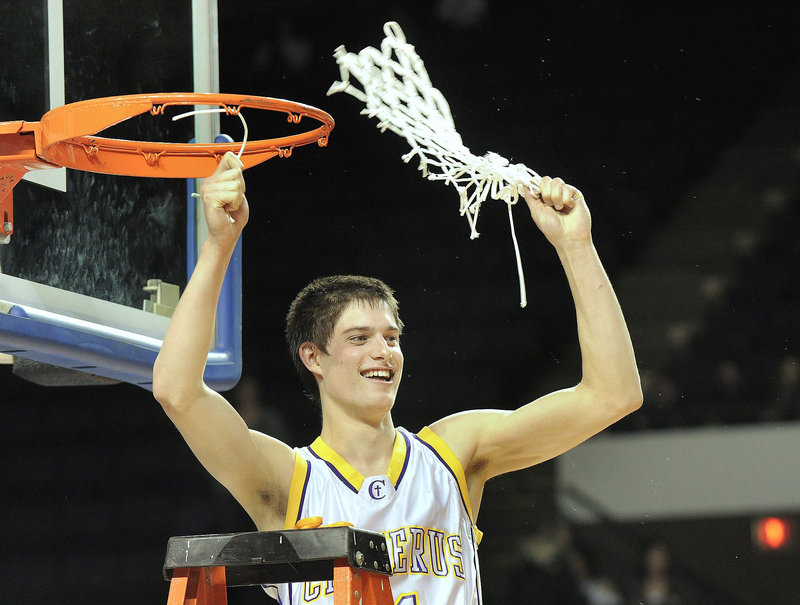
679 122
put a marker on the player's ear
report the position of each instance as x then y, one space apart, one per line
309 355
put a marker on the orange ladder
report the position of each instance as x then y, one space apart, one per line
200 568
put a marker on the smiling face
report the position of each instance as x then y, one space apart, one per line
361 368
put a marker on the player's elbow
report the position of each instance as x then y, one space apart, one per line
634 400
618 400
628 399
162 390
173 395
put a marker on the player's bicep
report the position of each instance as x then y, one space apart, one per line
463 433
540 430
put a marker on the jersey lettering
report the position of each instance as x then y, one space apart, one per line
314 590
436 547
418 550
454 549
398 548
428 549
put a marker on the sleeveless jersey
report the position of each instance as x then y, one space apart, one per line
421 506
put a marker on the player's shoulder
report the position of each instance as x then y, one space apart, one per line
462 432
463 426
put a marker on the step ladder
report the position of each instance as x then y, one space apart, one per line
201 568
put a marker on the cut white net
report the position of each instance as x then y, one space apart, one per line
398 92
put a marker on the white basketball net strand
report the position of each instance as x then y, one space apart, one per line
398 92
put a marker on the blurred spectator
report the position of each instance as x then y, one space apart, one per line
601 590
656 584
597 586
549 570
784 401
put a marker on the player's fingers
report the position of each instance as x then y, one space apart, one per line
229 169
240 203
229 161
570 196
578 200
223 194
230 176
230 180
558 193
544 188
531 193
533 189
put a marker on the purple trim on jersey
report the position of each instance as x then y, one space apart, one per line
303 494
466 510
475 566
405 462
334 470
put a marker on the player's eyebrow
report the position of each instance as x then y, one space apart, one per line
390 328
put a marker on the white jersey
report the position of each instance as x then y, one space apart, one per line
421 505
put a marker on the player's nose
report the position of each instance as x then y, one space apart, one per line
381 349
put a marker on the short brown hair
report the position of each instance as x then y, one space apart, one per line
316 309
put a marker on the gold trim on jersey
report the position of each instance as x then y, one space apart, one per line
351 475
399 459
296 489
452 462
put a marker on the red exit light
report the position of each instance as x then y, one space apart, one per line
773 533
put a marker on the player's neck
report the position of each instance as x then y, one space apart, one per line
366 447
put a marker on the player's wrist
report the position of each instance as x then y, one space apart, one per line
575 247
219 245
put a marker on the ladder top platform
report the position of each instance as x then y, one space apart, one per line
252 558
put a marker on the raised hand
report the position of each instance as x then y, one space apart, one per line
224 202
560 211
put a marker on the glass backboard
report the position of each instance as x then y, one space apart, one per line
76 275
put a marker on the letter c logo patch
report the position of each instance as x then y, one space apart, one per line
377 489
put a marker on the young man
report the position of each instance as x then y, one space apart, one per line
423 491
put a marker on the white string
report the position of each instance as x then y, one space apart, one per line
217 110
523 295
397 91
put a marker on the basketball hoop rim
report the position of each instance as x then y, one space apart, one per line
66 134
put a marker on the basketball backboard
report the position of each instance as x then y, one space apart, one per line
76 274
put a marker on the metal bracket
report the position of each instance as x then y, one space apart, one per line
163 297
8 178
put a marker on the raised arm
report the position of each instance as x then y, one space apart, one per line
492 442
255 468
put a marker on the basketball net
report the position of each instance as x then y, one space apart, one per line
398 92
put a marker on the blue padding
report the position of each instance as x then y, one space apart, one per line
100 355
70 348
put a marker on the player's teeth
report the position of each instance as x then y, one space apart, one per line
384 375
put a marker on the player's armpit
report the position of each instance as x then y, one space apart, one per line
255 468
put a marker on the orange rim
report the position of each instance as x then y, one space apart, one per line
67 135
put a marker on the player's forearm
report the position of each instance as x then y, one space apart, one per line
608 361
179 367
